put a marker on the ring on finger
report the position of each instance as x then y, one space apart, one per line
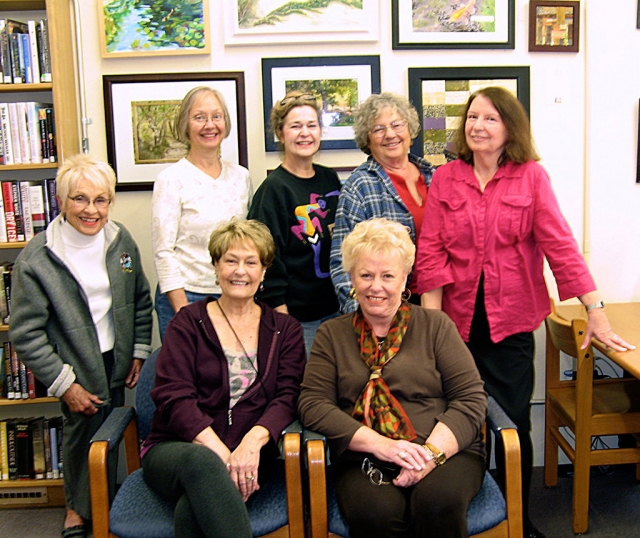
402 454
250 478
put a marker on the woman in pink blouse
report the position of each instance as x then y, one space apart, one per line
493 218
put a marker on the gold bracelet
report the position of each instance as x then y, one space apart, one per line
437 455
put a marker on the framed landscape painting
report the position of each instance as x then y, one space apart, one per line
340 82
153 28
248 22
139 114
453 24
440 95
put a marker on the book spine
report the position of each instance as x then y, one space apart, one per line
37 447
25 59
9 215
12 454
31 384
8 378
44 137
36 200
45 55
24 384
33 128
4 452
6 280
3 223
33 50
6 133
47 449
15 373
25 203
51 135
23 449
53 201
5 53
15 43
53 441
17 210
15 133
23 132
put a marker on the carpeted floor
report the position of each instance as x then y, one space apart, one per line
614 510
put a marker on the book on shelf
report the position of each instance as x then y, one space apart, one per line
22 374
12 454
25 59
5 53
25 205
15 372
33 129
5 128
9 214
3 223
42 32
56 429
23 132
37 443
17 210
8 377
7 271
33 51
47 448
37 203
4 451
51 134
15 44
14 133
24 448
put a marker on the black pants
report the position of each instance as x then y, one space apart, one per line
436 507
506 368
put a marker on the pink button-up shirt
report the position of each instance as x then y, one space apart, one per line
504 232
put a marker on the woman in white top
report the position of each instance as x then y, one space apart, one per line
190 198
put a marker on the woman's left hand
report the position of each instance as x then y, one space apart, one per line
245 460
598 327
408 477
132 379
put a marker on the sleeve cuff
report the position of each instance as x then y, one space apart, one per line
141 351
62 383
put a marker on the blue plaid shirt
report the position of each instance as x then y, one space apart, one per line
368 193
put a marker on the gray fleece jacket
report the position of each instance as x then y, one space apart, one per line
51 325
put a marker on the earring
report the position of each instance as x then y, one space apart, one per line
217 281
261 287
406 294
352 294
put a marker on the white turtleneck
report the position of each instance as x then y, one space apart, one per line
87 258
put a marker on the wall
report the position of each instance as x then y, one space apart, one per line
583 109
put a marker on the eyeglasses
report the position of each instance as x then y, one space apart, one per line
301 97
83 202
203 118
378 131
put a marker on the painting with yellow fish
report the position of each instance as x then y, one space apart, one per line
453 24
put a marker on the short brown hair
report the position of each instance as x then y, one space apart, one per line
181 126
239 232
290 101
367 113
519 147
380 236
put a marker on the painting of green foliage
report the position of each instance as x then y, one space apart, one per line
253 13
131 27
339 98
153 132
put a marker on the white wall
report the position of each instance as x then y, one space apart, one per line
590 135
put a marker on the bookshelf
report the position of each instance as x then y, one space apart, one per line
62 91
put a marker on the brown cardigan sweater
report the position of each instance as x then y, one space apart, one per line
433 376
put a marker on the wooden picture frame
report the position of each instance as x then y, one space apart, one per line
554 26
269 23
470 24
356 77
136 28
139 115
440 95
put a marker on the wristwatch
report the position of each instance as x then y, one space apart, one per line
439 457
599 304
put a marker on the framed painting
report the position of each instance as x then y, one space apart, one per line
140 112
341 82
554 26
153 28
440 95
250 22
453 24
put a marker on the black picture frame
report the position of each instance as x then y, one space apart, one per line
124 94
313 73
405 37
439 111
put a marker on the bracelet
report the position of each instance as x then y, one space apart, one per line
437 455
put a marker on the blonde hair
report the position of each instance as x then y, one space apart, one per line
83 166
380 236
234 232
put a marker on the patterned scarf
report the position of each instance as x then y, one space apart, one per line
376 407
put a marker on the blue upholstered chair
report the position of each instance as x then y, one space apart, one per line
138 512
490 515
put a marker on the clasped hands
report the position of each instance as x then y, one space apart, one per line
413 459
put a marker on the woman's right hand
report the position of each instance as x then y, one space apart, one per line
81 401
408 455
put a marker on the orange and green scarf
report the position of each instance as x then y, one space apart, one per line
376 407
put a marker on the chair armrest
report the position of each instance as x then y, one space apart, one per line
316 452
502 425
120 425
290 450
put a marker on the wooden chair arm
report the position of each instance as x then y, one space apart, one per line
119 425
315 448
293 473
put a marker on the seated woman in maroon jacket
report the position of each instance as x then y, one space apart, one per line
227 384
